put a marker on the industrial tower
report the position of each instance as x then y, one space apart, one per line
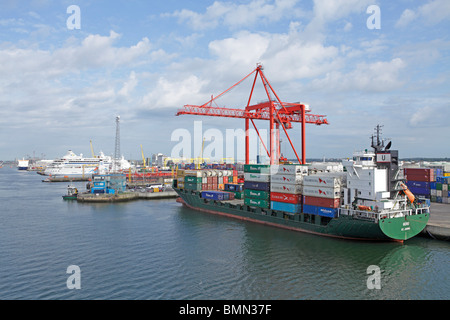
117 147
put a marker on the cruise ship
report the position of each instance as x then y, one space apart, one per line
75 166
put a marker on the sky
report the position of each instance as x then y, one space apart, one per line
65 73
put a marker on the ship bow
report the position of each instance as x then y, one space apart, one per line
404 228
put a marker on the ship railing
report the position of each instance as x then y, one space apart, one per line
376 216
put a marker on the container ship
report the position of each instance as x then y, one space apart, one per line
368 200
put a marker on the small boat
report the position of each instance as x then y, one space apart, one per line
72 193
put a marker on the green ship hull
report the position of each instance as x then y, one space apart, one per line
344 226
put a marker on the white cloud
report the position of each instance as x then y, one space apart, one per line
380 76
235 15
431 13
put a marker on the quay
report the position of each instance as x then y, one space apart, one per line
126 196
438 226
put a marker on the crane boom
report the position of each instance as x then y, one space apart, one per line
277 112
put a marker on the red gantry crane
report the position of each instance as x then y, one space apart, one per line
277 112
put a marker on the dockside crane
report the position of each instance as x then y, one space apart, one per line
275 111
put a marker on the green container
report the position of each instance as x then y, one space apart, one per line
257 168
238 195
256 202
193 186
190 179
256 194
438 186
433 198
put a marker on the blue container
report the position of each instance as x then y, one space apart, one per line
419 191
438 172
287 207
418 184
216 195
439 199
433 185
309 209
234 187
327 212
253 185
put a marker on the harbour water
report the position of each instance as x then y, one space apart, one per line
158 249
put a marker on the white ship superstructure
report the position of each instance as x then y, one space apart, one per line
74 165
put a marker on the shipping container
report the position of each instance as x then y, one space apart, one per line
419 184
284 206
193 173
238 195
289 169
216 195
191 179
253 185
432 185
257 168
286 197
286 188
322 181
321 192
256 194
425 178
257 177
321 211
306 208
327 212
234 187
420 191
193 186
287 179
322 202
256 202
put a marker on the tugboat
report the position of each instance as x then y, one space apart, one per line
72 193
367 200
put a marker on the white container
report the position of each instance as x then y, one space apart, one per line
439 193
289 169
433 192
257 177
322 192
193 173
287 179
322 181
286 188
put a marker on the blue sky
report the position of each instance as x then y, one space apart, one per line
142 60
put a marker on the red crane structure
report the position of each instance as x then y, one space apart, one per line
278 114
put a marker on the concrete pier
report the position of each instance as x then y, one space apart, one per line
126 196
438 227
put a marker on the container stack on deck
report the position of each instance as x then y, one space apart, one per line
322 194
286 187
431 183
257 185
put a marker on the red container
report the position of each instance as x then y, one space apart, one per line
214 179
321 202
204 186
284 197
419 171
210 180
420 177
231 195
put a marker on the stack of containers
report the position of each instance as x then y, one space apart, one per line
322 195
286 187
193 180
442 190
418 180
178 182
257 185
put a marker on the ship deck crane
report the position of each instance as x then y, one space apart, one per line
278 114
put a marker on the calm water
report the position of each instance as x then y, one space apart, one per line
160 250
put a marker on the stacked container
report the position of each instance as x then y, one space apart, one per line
286 187
193 180
322 194
257 185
